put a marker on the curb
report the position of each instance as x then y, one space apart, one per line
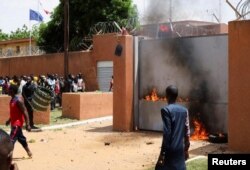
197 157
106 118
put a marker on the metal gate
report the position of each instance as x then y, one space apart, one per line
198 66
104 74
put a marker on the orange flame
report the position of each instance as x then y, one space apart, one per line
200 132
154 96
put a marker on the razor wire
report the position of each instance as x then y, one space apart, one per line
107 27
243 8
99 28
191 30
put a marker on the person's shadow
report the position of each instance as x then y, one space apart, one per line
21 158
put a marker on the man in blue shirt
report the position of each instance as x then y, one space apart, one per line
176 133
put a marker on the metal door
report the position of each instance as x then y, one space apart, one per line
104 74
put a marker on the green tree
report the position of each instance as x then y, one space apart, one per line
20 33
82 15
3 36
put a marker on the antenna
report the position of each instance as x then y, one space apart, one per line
170 10
217 19
219 11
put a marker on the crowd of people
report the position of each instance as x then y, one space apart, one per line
57 84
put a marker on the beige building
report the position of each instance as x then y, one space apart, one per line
18 47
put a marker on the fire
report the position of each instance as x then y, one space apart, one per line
200 132
154 96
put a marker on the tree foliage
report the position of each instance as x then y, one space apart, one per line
82 15
3 36
20 33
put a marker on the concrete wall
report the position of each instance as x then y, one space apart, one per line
5 110
123 86
86 62
52 63
42 117
81 61
87 105
239 86
104 50
39 117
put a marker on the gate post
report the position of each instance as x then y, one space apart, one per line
239 89
123 85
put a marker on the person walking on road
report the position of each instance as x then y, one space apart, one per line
176 133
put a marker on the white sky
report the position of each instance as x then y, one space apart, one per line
15 13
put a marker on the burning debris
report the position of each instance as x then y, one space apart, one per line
200 133
218 138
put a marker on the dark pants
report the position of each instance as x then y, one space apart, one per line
53 103
30 112
59 99
16 134
172 161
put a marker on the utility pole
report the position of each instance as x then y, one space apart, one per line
170 10
66 37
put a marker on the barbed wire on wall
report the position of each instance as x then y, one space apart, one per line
191 30
243 8
107 27
99 28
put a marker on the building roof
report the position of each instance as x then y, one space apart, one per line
15 41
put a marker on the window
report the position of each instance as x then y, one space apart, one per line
17 49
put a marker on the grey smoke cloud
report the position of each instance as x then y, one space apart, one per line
155 11
159 10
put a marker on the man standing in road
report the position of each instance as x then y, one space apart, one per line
27 92
176 133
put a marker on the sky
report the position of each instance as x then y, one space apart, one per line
15 13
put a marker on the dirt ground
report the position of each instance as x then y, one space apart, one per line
94 146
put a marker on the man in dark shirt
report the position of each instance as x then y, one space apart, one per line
176 132
27 93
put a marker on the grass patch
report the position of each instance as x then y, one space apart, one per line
196 164
56 117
